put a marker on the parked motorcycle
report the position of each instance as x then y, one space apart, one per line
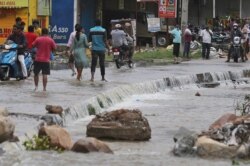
121 57
221 40
9 64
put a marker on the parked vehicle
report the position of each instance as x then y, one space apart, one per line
194 45
221 40
9 64
220 37
146 26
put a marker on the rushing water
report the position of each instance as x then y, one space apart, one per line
167 110
168 103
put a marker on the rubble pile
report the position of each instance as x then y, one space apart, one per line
227 137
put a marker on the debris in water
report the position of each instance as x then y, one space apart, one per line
197 94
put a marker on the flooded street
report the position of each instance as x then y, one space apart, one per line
167 110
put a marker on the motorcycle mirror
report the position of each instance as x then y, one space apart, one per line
7 47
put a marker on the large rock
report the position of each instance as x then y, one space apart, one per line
58 136
52 119
7 128
226 118
120 124
91 144
243 151
207 147
3 111
54 109
184 142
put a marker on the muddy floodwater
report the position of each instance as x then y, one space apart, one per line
167 110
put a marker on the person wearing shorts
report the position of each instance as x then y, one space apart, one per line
44 45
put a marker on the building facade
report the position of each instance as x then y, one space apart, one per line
201 12
26 9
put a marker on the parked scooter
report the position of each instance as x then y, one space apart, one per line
9 64
121 57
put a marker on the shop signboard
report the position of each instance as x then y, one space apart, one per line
14 3
167 8
154 24
44 7
61 23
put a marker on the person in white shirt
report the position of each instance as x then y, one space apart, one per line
206 35
71 62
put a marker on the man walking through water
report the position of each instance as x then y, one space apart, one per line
45 45
98 37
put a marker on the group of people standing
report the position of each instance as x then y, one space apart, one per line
206 35
206 39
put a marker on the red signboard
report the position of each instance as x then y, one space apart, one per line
167 8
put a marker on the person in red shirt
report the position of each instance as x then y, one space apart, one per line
30 37
45 45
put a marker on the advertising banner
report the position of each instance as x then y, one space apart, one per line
14 3
61 24
43 7
154 24
167 8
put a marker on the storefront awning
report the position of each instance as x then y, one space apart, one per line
14 3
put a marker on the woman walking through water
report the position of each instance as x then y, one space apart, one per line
78 50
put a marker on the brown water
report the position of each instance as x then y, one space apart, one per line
166 111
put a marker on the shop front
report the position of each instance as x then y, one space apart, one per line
9 10
202 12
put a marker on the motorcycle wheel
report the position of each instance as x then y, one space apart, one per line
235 57
117 63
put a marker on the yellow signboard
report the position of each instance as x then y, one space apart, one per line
14 3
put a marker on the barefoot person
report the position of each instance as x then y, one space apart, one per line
98 37
71 62
79 45
45 45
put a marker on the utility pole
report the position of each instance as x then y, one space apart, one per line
184 13
184 16
240 9
214 8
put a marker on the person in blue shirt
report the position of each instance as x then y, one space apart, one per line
98 37
176 33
